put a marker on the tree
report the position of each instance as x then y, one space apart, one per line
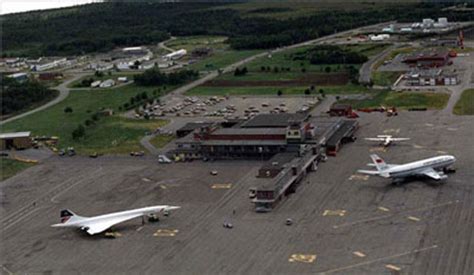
322 93
68 109
79 132
279 93
275 70
99 74
88 122
144 95
307 92
338 97
311 87
303 70
262 68
244 71
327 69
95 117
237 72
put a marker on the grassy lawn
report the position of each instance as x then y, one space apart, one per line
465 105
77 83
393 54
206 91
189 43
113 134
385 78
367 49
160 141
10 167
220 59
403 100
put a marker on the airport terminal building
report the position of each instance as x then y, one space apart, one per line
292 144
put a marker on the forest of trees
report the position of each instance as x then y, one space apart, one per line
153 77
328 54
16 96
103 26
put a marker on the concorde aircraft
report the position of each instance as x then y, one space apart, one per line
98 224
434 168
386 140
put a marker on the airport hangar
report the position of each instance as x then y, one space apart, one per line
293 144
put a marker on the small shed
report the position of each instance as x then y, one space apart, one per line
17 140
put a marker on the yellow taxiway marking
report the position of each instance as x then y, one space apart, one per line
359 254
359 177
416 146
162 186
387 216
415 219
165 233
393 267
340 213
452 129
221 186
302 258
146 179
139 229
384 209
339 269
378 149
441 152
429 125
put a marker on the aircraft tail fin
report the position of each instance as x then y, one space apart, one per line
67 215
378 162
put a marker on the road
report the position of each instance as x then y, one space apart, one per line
63 93
181 90
365 71
163 44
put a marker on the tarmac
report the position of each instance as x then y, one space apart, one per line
343 222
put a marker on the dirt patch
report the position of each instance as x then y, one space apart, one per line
307 79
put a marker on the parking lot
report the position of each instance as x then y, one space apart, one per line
343 222
229 107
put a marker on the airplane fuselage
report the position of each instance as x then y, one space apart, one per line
135 212
415 168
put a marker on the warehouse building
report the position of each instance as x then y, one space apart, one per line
428 59
17 140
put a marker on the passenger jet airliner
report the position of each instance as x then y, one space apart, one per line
435 168
98 224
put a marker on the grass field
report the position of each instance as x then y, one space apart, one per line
189 43
160 141
220 59
10 167
385 78
113 134
403 100
393 54
206 91
465 105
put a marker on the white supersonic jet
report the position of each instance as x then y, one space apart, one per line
386 140
434 168
98 224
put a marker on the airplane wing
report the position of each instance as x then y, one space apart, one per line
368 172
400 139
100 226
430 172
375 139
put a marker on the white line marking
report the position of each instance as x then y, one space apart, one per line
377 260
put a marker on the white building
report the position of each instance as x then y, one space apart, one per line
427 22
107 83
44 65
175 55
